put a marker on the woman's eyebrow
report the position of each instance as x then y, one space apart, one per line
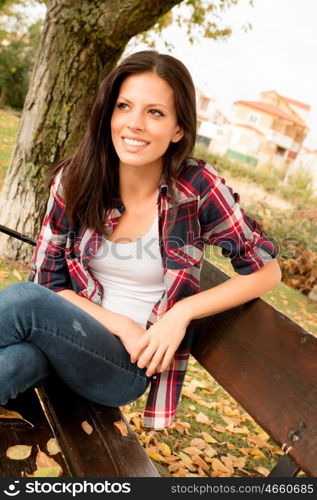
130 102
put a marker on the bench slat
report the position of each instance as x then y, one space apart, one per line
268 363
104 452
285 467
13 432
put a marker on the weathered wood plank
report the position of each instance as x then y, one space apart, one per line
104 453
268 363
13 432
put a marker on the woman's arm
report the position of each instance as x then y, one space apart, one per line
123 327
155 350
231 293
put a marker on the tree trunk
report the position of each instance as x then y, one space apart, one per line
81 42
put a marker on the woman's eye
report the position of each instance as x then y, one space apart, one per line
122 105
156 112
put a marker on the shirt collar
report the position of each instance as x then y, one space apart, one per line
118 203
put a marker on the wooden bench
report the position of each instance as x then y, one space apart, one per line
267 363
262 358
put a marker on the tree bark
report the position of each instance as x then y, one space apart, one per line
81 42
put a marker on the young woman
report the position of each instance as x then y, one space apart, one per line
114 290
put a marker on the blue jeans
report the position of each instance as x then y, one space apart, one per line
42 333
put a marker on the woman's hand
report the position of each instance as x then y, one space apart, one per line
129 332
156 348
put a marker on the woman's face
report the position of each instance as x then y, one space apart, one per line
144 120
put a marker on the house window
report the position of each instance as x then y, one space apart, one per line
280 151
253 118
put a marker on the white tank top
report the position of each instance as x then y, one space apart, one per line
131 275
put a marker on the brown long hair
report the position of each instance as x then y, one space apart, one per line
91 175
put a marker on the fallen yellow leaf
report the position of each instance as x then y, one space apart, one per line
200 443
43 461
210 452
187 461
46 472
86 427
165 449
202 418
121 426
219 428
262 470
53 447
208 438
230 412
218 466
240 430
257 453
200 473
181 472
157 457
239 462
4 413
181 426
263 435
192 450
175 467
200 462
19 452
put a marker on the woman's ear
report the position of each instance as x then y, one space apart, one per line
179 134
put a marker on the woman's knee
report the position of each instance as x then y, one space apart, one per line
24 291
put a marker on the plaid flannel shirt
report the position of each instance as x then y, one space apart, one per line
208 213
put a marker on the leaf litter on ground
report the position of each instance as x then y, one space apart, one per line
214 437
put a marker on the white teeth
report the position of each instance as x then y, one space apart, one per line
132 142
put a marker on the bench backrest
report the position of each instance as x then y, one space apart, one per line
268 363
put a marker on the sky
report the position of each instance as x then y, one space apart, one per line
278 53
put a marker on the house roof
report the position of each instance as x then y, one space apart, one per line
292 101
249 127
272 110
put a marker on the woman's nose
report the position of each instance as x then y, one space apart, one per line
136 121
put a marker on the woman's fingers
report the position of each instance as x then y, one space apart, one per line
167 360
139 347
152 366
146 356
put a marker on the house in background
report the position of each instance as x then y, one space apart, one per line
212 124
265 132
269 131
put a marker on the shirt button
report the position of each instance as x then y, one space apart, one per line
154 377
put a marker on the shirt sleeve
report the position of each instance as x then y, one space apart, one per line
225 224
49 267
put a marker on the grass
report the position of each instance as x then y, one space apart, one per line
8 129
235 432
297 190
289 301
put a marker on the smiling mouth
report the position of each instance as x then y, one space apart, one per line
134 142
